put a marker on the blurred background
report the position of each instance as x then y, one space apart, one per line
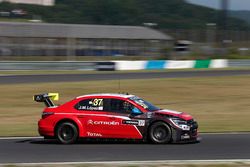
152 29
58 38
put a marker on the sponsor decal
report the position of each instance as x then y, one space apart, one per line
134 122
141 123
90 108
91 134
131 122
141 103
95 104
91 122
185 136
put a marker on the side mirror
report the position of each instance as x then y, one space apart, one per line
132 115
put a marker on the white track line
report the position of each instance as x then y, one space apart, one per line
20 138
170 162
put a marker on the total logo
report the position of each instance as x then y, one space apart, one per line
91 134
91 122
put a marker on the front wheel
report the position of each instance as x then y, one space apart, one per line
67 133
160 133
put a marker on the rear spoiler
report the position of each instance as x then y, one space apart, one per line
46 98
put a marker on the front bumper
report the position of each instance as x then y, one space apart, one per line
191 135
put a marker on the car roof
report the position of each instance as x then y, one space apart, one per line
107 94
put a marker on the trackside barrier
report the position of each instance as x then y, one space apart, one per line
47 65
170 64
239 63
130 65
121 65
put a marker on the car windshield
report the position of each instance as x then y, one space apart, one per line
146 105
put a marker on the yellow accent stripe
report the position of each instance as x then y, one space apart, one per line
54 96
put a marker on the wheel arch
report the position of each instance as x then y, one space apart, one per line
159 120
76 122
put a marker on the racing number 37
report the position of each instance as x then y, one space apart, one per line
97 102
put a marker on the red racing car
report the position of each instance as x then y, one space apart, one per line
117 116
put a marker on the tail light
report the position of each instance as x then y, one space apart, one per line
46 114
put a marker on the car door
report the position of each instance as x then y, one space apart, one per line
96 121
128 127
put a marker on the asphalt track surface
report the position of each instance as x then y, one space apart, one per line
13 79
38 150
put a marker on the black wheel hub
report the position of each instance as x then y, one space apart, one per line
66 133
160 133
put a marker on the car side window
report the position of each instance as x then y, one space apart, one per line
136 111
121 106
116 105
90 104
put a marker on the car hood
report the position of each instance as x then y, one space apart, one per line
181 115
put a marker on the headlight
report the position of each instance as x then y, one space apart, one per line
180 123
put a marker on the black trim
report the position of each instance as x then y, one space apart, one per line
105 66
44 98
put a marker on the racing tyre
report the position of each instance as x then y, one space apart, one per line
67 133
160 133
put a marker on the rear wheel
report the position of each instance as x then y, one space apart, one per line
67 133
160 133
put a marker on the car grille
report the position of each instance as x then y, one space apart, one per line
194 126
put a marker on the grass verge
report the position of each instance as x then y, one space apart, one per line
220 104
